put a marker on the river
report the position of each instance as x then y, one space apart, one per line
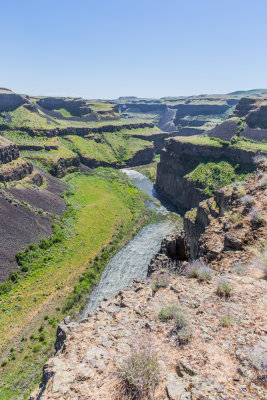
131 262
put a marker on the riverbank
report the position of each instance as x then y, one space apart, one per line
105 211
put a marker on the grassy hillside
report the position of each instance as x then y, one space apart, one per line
109 147
104 212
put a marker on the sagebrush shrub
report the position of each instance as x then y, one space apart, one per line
161 281
199 270
168 312
139 373
185 335
226 320
223 288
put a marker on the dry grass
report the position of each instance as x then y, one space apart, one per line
139 373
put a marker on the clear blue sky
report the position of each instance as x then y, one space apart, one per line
145 48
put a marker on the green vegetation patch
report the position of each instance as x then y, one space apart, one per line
241 143
209 174
249 145
111 147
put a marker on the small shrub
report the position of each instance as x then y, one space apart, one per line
14 276
160 282
240 191
139 373
46 317
42 336
25 268
169 312
4 363
255 217
248 200
184 335
181 329
44 244
199 270
226 320
5 287
235 218
223 288
262 184
53 322
36 348
239 268
204 273
32 247
180 321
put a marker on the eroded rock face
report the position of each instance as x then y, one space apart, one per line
175 246
63 165
16 171
9 101
12 168
76 107
8 151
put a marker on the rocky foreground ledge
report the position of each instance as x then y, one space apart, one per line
207 327
218 363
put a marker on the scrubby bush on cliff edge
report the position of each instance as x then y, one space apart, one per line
139 373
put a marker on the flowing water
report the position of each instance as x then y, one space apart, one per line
131 262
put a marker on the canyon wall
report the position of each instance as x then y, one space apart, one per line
179 158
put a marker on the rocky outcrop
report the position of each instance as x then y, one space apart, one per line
254 111
64 165
256 134
195 222
244 106
9 101
225 222
174 251
225 131
12 168
197 110
8 151
249 120
76 107
15 171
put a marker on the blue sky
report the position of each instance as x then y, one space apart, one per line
145 48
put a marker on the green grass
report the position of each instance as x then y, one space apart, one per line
43 158
64 112
203 140
22 117
249 145
105 209
142 131
115 147
208 175
241 143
